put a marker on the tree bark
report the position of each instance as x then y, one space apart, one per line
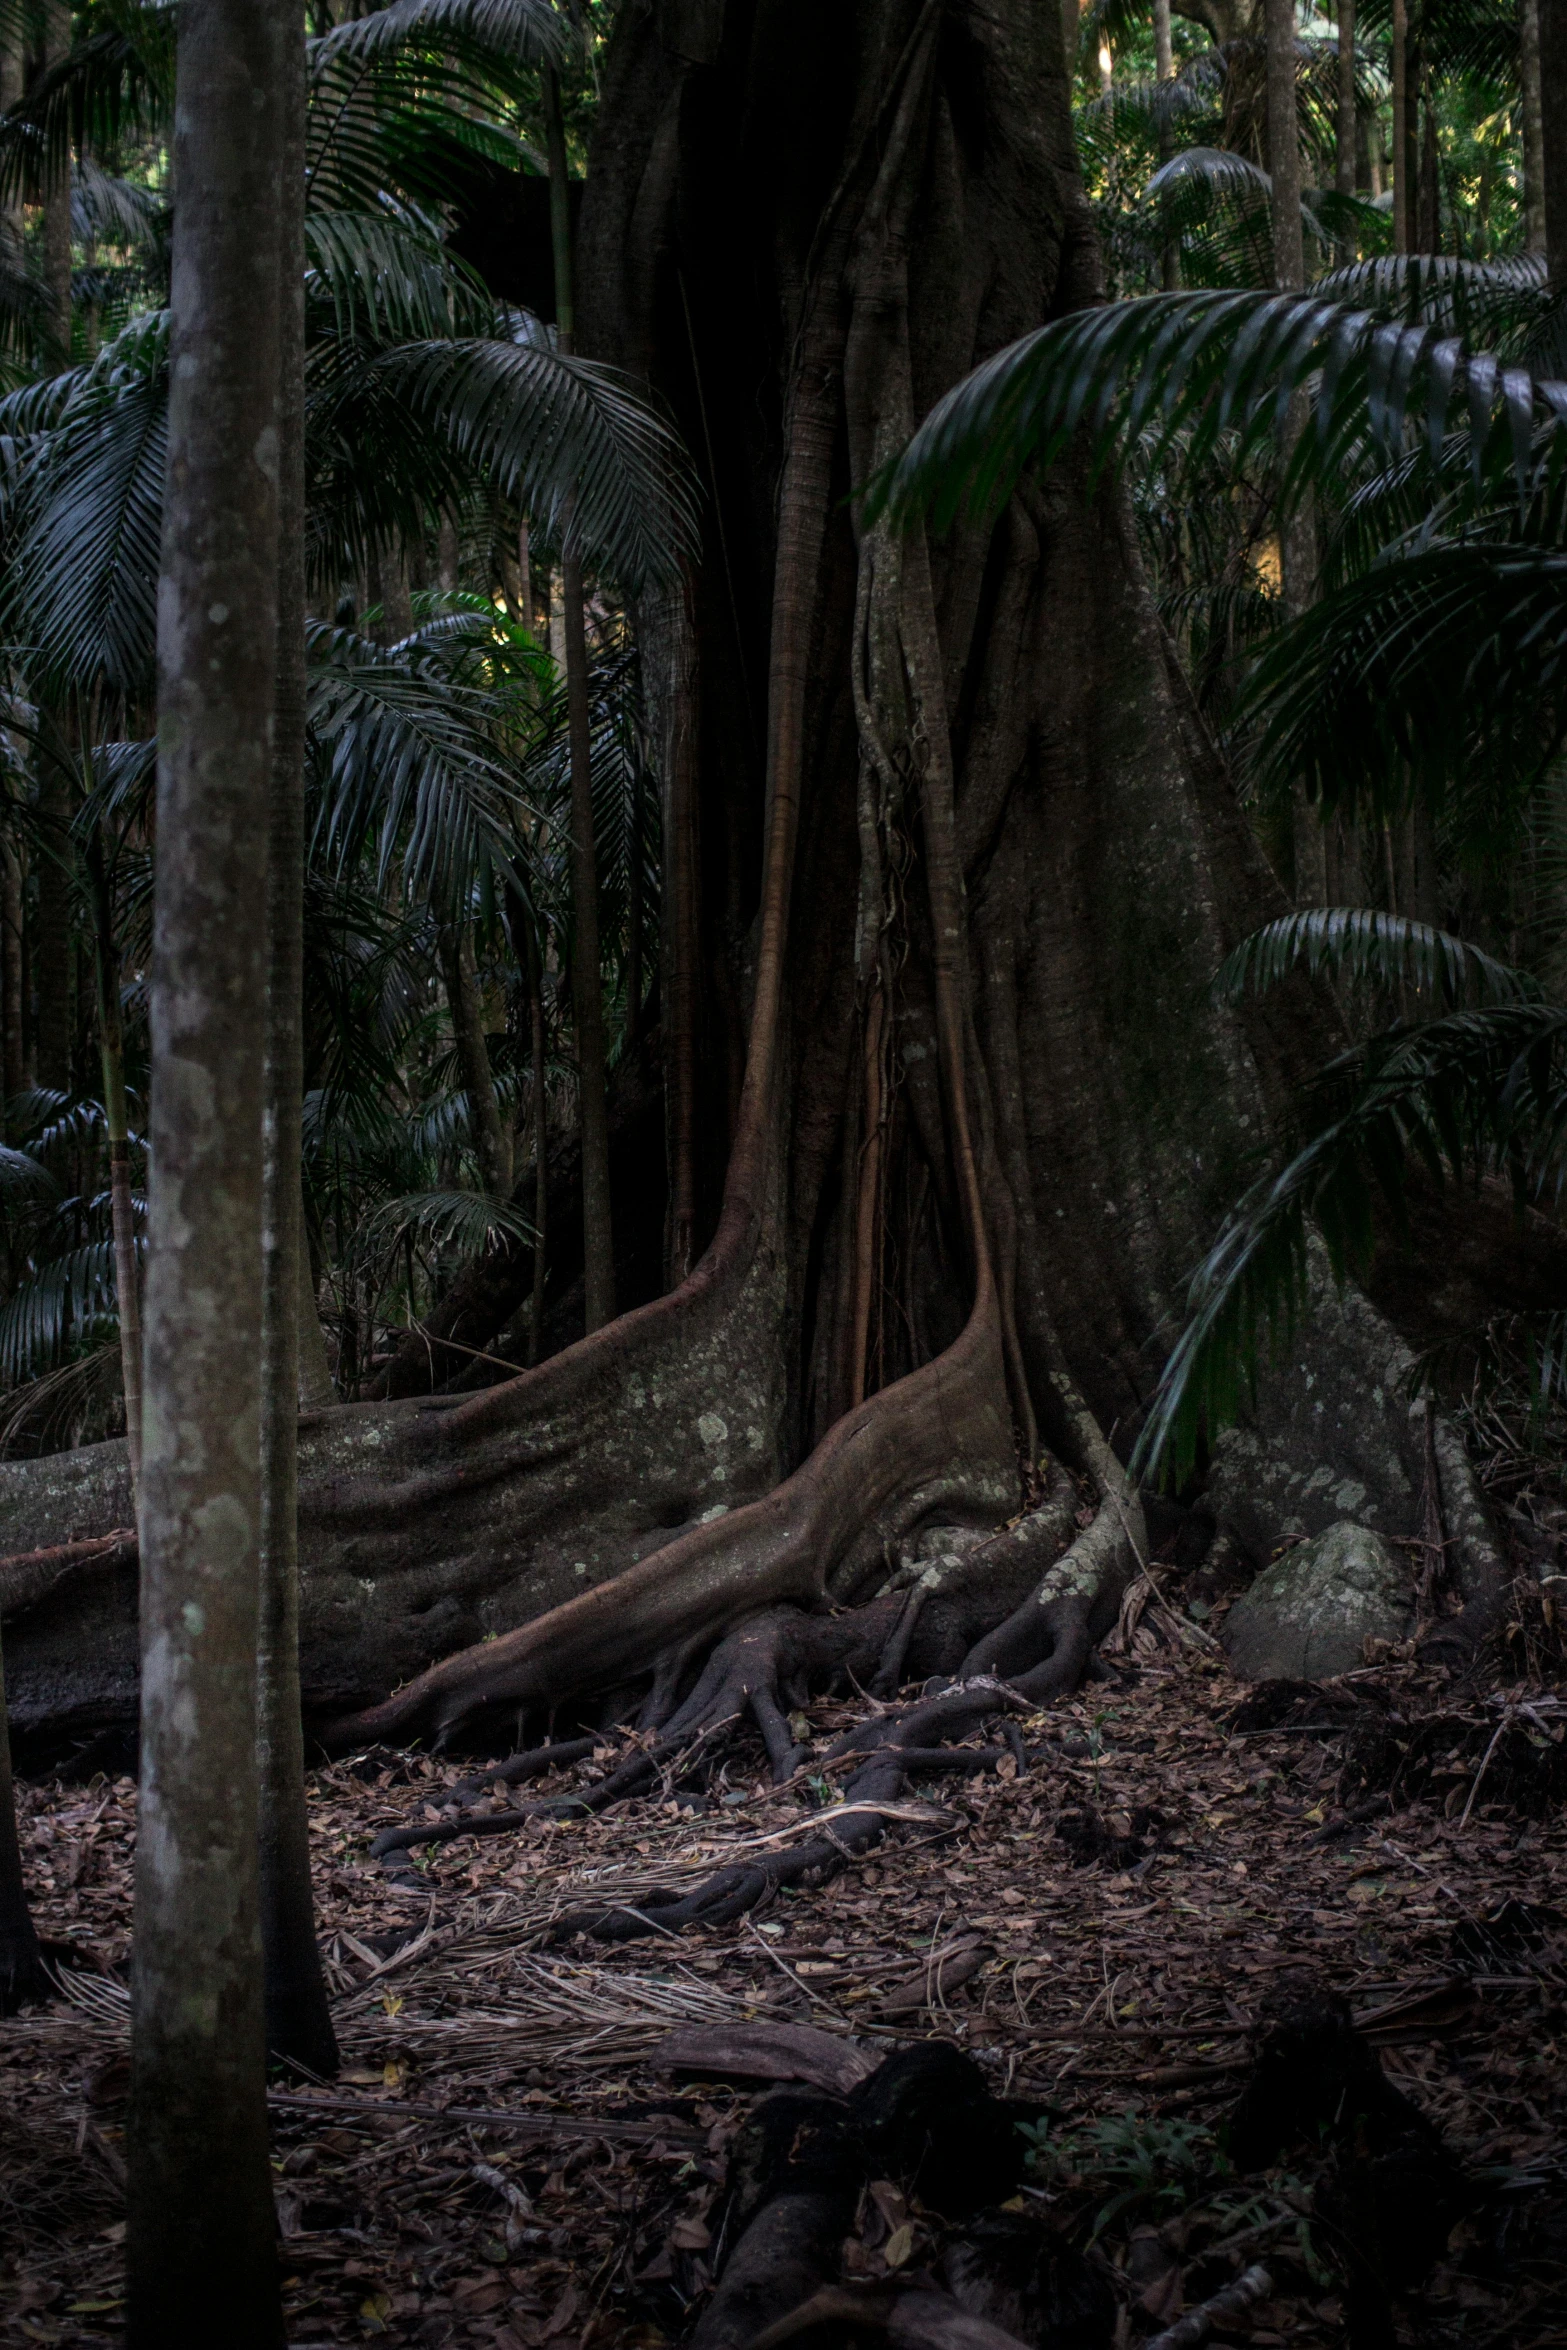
492 1143
1553 140
1064 864
14 967
587 986
200 2222
53 936
1348 111
1297 535
1533 127
57 203
298 2018
1403 142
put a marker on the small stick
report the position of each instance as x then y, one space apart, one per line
542 2125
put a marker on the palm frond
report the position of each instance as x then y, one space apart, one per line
463 1222
1364 944
531 31
570 442
389 279
1191 368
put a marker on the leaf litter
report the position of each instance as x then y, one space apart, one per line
513 2158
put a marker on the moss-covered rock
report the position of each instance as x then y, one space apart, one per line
1309 1614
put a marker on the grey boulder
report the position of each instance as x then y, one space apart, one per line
1310 1613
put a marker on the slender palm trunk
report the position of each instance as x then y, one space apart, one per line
298 2019
1348 122
52 931
201 2230
14 966
57 203
1297 537
1533 127
587 992
490 1139
1403 180
1553 136
122 1213
1164 71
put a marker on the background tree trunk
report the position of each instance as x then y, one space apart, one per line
491 1140
1533 128
587 992
693 1461
1348 112
1553 136
201 2228
298 2018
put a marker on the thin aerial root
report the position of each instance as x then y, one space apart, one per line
889 1673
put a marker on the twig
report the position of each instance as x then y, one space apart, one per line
1485 1765
539 2125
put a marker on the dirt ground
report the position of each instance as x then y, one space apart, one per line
507 2160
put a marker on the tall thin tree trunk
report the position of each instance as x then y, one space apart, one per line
52 939
57 203
1344 154
541 1161
1553 136
122 1214
201 2230
524 612
1164 71
490 1138
298 2018
587 989
1403 187
1297 535
1533 127
22 1974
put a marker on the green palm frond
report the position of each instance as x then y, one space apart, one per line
87 500
386 277
1186 370
463 1222
407 764
1410 675
569 441
530 31
67 1301
1362 943
114 84
1480 1090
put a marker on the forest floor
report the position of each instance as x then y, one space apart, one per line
506 2159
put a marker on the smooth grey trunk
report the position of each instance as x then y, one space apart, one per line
1348 122
587 990
201 2229
57 204
298 2017
490 1138
1164 71
1533 127
1553 136
1297 534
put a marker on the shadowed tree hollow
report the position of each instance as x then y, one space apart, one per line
949 863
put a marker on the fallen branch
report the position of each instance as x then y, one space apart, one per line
1254 2284
30 1575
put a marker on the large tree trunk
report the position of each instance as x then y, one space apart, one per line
199 2214
962 853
